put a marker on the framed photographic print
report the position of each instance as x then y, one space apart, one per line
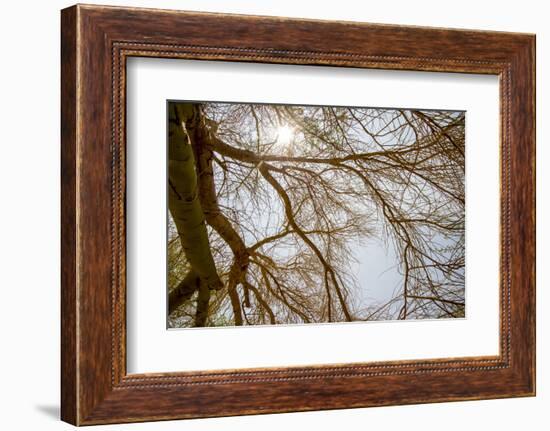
321 214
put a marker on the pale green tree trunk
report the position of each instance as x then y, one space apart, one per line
185 207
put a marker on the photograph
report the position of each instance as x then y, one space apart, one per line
301 214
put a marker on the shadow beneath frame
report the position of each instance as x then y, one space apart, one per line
52 411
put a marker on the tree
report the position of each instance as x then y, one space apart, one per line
265 202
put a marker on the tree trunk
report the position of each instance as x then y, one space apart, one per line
202 141
186 210
183 291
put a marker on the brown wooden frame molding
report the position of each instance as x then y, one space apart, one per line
95 43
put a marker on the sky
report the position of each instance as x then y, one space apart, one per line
376 270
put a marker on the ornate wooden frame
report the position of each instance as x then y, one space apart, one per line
95 43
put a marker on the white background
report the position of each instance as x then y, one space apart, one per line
29 227
151 348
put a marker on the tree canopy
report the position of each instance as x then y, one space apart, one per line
266 203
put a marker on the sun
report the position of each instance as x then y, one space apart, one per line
284 135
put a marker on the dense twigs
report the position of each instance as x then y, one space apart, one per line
290 193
